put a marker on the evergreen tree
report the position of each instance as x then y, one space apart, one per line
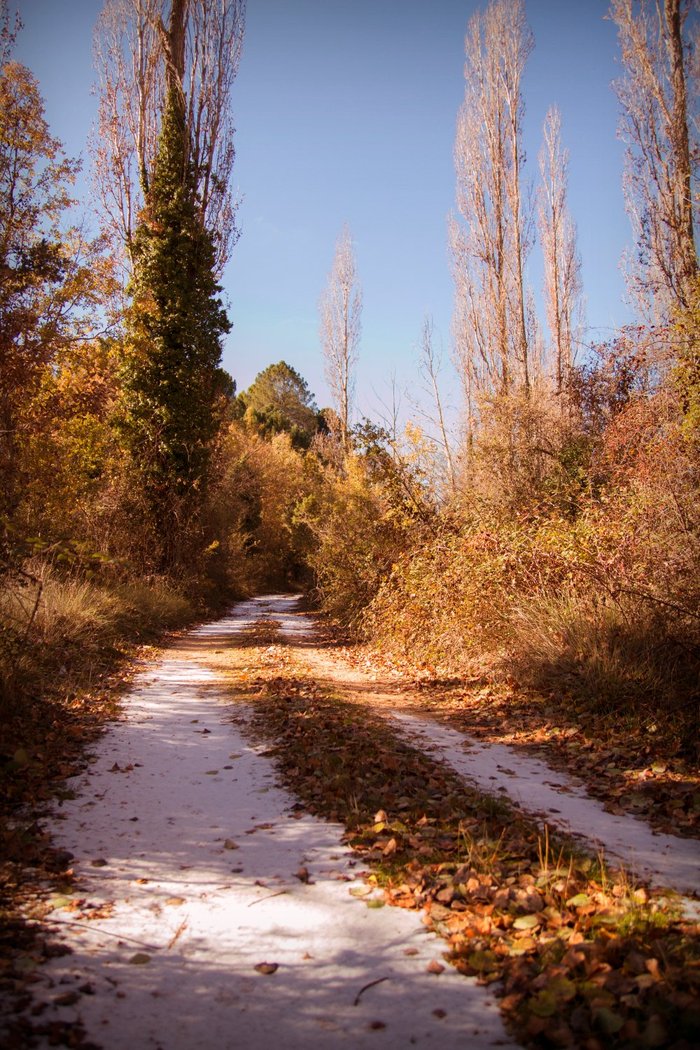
279 400
173 385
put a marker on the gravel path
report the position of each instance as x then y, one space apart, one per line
189 864
212 913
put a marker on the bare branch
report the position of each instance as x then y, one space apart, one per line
491 238
659 57
562 265
140 46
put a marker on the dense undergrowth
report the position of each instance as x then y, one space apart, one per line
61 636
573 574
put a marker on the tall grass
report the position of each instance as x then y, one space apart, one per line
59 632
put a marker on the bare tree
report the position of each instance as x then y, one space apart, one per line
491 238
562 265
430 367
660 128
141 46
341 314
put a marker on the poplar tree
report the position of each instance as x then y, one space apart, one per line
562 264
172 381
341 324
490 237
658 94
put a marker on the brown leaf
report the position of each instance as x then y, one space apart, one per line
266 967
435 967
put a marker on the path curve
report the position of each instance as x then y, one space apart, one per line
667 861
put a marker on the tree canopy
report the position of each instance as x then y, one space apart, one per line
279 400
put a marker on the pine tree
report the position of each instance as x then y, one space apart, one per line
172 381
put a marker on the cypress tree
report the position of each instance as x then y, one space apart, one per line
172 381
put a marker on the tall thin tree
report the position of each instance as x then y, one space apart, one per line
490 238
562 264
135 53
340 327
658 94
172 380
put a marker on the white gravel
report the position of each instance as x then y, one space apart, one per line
664 860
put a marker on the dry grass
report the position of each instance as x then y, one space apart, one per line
59 634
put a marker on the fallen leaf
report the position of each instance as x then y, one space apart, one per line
60 902
526 922
435 967
230 844
579 901
140 959
266 967
607 1020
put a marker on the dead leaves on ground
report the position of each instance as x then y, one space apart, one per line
624 761
584 959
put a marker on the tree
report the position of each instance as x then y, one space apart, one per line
279 400
562 265
490 240
171 375
341 316
663 150
50 277
135 56
430 369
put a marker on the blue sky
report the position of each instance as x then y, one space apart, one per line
345 112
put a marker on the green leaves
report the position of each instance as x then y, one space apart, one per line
172 382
